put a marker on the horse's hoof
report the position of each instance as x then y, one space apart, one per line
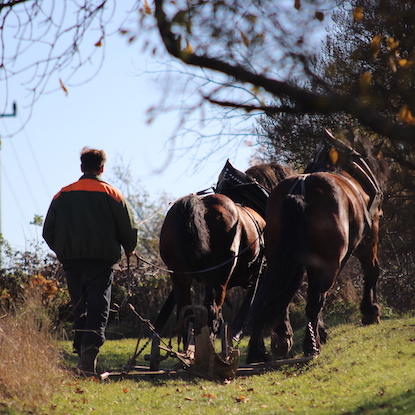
367 320
281 347
258 358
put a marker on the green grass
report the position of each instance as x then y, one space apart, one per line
361 370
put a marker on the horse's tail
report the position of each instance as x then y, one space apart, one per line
283 278
191 231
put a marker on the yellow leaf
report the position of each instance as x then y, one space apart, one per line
334 156
405 115
358 13
404 63
188 48
375 47
392 43
147 7
365 81
63 87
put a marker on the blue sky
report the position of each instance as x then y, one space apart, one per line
109 112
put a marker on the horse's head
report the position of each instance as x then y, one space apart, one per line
367 170
268 175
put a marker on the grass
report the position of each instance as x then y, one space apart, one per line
361 370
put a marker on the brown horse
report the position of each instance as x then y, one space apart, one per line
216 240
315 222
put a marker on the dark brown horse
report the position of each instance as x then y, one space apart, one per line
315 222
217 241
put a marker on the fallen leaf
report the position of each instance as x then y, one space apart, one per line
242 399
188 399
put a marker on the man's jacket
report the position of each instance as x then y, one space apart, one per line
90 219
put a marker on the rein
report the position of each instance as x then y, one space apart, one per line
169 271
206 269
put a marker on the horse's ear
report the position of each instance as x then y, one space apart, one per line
334 156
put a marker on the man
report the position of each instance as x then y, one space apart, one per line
86 225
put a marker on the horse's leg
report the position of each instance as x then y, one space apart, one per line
319 282
214 299
282 337
369 307
257 351
182 296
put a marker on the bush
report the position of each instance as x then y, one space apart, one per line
30 370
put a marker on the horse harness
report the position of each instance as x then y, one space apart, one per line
368 209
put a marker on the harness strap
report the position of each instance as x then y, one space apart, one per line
299 181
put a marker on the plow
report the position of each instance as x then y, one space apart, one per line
203 356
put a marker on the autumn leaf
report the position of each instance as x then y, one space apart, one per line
404 63
365 81
392 44
99 43
319 16
63 87
375 47
244 38
188 48
242 398
405 115
358 13
147 7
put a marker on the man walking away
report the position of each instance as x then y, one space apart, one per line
86 225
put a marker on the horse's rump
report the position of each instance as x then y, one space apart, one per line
286 253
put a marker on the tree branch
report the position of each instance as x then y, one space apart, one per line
306 101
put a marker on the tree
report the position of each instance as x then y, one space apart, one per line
381 75
212 36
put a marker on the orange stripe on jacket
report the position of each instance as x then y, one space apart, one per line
92 185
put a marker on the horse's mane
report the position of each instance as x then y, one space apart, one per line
348 153
374 159
268 175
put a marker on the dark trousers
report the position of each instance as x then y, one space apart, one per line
90 290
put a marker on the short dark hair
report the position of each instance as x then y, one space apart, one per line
92 159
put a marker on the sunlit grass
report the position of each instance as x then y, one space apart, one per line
361 370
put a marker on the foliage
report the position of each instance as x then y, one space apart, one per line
368 55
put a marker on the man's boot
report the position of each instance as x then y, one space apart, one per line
87 363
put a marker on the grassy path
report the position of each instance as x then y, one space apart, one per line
362 370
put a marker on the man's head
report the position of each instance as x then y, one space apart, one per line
92 160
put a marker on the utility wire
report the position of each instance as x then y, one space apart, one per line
29 189
29 143
15 198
